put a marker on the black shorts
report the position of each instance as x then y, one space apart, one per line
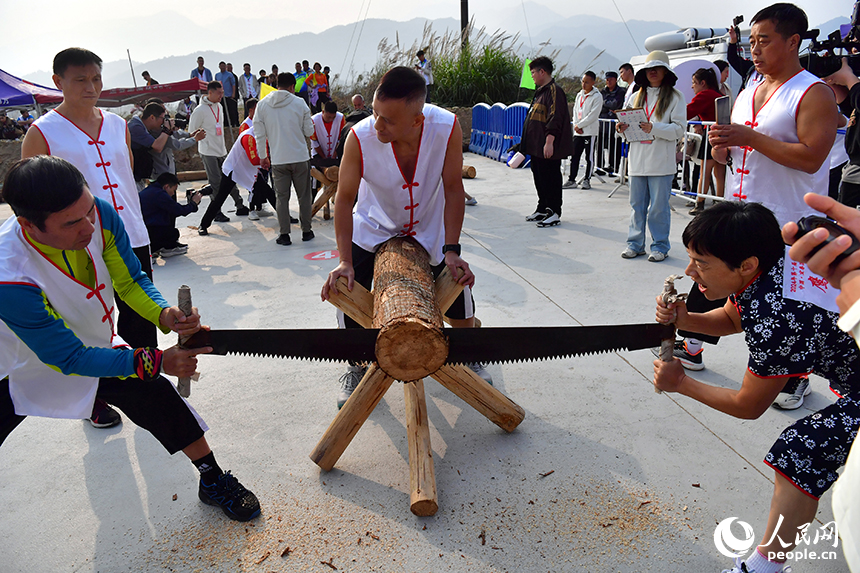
362 264
154 406
809 452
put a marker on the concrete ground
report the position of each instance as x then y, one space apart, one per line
603 475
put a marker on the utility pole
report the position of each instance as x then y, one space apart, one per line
133 78
464 23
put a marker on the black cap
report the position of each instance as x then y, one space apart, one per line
612 75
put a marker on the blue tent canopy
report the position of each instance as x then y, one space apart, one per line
15 92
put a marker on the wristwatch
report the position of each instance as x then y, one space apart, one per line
455 248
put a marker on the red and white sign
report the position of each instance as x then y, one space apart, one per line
322 255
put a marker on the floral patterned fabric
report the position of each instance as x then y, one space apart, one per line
787 338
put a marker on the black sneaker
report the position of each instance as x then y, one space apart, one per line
237 502
293 220
242 211
688 361
221 218
600 172
283 240
202 231
104 416
307 236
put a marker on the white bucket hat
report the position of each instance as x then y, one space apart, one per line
656 59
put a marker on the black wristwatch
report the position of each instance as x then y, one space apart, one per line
455 248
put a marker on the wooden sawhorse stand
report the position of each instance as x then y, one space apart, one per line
406 306
328 180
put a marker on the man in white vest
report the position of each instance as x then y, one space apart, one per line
64 253
402 170
327 126
98 144
782 131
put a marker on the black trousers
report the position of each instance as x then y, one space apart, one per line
696 302
154 406
132 327
162 237
582 144
362 264
547 177
262 192
217 201
849 194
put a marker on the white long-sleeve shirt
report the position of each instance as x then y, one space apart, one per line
586 112
657 157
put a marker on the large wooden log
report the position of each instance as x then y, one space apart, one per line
191 175
423 500
320 176
351 417
475 391
411 344
469 172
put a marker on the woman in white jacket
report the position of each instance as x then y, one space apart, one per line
651 164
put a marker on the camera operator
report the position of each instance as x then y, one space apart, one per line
163 161
846 86
142 141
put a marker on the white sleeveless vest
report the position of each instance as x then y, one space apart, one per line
388 205
104 162
35 388
761 180
244 172
327 140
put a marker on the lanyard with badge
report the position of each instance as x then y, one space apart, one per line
217 117
648 116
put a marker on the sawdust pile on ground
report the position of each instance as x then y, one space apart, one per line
579 522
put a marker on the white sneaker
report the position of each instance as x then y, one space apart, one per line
741 567
536 216
471 201
550 220
629 253
586 184
253 216
173 252
791 397
479 369
657 256
348 383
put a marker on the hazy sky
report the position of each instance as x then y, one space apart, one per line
105 25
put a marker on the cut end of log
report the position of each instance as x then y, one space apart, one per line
411 349
332 173
424 507
469 172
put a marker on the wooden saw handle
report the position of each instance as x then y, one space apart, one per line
183 386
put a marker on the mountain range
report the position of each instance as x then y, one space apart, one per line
581 42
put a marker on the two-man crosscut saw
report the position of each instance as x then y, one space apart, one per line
465 345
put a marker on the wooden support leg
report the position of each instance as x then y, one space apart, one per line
322 199
423 500
472 389
326 212
350 418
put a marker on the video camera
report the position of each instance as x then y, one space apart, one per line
820 58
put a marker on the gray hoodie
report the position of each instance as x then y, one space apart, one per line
283 120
